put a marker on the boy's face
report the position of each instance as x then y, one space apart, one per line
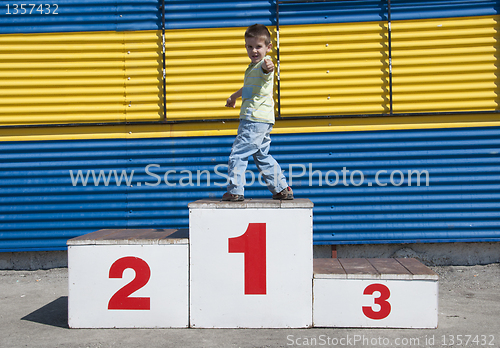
257 48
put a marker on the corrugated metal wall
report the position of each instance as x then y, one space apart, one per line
82 64
426 9
446 64
334 69
322 12
195 14
80 77
40 208
334 56
204 67
343 68
79 16
334 60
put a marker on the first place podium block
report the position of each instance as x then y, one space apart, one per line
129 278
250 264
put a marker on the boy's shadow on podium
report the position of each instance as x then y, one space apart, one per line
54 314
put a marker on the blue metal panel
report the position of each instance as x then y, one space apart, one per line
186 14
292 13
119 15
80 15
40 208
404 9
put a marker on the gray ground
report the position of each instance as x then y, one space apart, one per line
33 313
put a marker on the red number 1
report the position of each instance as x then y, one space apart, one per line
253 245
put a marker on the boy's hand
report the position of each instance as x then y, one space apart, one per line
230 102
267 66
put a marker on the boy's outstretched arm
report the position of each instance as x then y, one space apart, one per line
231 101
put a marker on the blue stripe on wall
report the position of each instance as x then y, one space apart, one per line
218 14
405 10
120 15
40 208
332 12
80 15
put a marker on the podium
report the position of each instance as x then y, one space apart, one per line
250 264
382 293
240 265
128 278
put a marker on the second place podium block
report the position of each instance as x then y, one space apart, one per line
250 264
129 278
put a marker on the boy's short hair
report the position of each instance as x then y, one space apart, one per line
258 31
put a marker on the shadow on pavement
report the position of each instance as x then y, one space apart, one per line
55 313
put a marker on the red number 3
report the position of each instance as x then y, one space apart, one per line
385 307
121 299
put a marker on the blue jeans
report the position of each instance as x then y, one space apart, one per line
254 139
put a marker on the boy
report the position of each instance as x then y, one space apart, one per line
256 121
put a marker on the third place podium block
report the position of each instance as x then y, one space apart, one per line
384 293
251 264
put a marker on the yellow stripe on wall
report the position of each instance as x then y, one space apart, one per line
106 77
334 69
80 77
204 67
446 65
439 65
230 128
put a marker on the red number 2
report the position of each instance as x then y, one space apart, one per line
385 307
253 245
121 299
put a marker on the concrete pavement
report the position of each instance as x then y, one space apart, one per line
33 313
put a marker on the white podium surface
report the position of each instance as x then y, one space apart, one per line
385 293
129 279
250 263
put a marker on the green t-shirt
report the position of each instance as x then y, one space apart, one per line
257 97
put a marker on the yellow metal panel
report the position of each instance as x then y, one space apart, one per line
204 67
334 69
80 77
357 124
446 65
